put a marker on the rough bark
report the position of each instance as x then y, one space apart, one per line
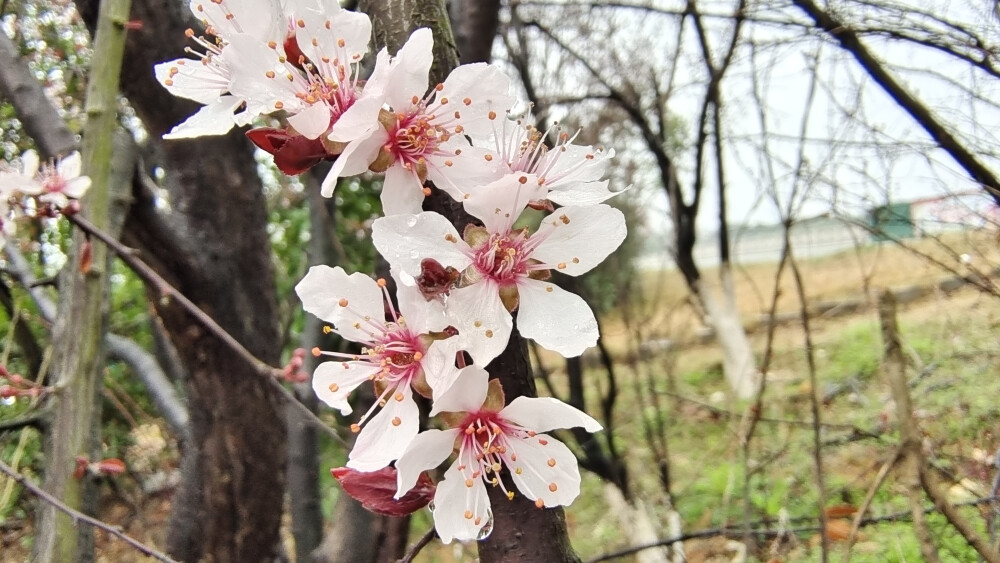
212 245
475 23
78 357
521 532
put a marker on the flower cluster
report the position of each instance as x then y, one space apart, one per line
456 291
45 188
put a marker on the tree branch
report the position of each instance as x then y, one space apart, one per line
78 516
850 41
166 291
34 110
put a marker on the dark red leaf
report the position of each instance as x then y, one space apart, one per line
375 490
268 138
293 154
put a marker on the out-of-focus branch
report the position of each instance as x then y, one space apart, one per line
78 516
769 532
145 366
850 41
34 110
161 391
167 291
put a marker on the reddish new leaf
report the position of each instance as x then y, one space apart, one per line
375 490
293 154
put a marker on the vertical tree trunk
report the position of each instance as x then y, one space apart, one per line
78 362
521 532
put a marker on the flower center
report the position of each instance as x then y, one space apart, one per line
398 354
504 258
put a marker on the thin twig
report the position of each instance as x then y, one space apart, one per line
414 550
960 524
165 290
733 531
81 517
867 502
815 404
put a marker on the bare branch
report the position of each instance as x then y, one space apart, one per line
34 110
167 291
850 41
78 516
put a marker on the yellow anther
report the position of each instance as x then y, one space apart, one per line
342 302
540 503
552 487
552 462
316 352
334 387
396 422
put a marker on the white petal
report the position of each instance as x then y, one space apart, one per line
345 377
69 167
581 193
30 163
466 393
328 27
191 79
405 240
555 318
485 87
426 451
359 120
439 366
500 203
402 191
355 159
76 187
11 183
410 69
422 316
451 501
312 121
214 119
545 464
542 414
578 238
382 440
346 301
258 76
483 323
461 174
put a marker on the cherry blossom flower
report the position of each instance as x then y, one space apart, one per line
318 87
488 436
50 183
400 355
207 79
506 269
572 174
420 137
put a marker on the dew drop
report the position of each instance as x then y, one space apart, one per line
411 221
487 528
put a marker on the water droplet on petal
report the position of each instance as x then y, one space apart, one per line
411 221
487 528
